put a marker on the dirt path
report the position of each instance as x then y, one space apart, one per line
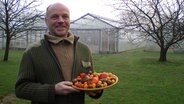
7 99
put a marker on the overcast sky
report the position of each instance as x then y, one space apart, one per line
79 8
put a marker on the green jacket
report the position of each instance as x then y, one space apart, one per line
40 71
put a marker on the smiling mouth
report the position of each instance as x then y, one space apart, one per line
60 27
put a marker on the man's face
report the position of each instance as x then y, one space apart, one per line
58 20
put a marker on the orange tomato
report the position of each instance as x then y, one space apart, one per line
95 80
93 85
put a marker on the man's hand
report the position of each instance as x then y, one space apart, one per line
64 88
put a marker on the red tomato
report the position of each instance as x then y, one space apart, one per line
82 75
95 80
103 75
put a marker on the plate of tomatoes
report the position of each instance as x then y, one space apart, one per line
94 81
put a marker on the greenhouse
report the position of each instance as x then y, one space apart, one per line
100 34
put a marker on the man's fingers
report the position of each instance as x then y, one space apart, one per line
68 83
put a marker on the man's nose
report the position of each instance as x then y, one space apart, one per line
60 19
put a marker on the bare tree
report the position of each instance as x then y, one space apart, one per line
17 16
161 21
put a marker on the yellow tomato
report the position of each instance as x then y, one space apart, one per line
113 81
93 85
104 84
85 85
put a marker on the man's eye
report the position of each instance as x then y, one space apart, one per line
65 16
55 17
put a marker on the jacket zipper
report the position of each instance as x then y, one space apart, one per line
54 57
74 60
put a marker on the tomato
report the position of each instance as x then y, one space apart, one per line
95 80
82 75
85 85
90 85
103 75
93 85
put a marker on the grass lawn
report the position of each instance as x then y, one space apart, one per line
8 71
142 79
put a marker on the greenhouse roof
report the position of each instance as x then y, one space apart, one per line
91 21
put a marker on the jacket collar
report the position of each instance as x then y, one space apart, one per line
55 39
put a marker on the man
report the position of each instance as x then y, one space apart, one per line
48 66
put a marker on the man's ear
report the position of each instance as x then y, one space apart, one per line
45 20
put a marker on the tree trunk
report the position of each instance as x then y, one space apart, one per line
163 55
6 53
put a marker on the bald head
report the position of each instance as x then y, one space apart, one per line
51 7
